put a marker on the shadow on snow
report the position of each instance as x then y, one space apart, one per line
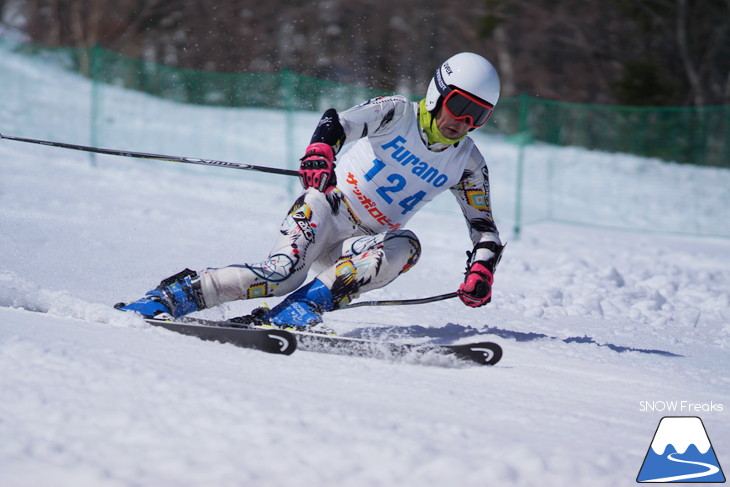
452 332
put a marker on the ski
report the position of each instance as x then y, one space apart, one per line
483 353
271 340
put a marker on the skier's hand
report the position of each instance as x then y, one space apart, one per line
317 168
476 290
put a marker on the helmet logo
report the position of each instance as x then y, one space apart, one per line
440 83
448 69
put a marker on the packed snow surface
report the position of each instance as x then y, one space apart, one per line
602 331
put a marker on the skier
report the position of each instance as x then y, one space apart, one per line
348 223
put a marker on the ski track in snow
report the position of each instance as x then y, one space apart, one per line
91 396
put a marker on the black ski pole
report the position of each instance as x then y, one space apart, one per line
401 302
157 157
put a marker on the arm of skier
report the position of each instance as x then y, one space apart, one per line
472 193
317 168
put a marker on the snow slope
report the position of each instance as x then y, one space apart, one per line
91 396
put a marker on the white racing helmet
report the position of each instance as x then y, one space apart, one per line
470 86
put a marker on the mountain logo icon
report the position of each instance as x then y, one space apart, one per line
681 452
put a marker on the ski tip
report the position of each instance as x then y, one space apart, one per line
485 353
286 341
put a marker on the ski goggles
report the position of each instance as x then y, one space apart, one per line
463 106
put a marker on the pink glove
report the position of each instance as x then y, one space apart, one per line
476 290
317 169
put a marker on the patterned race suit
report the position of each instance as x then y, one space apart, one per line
354 237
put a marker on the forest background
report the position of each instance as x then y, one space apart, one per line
624 52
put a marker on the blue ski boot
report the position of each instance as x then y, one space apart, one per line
302 309
176 296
